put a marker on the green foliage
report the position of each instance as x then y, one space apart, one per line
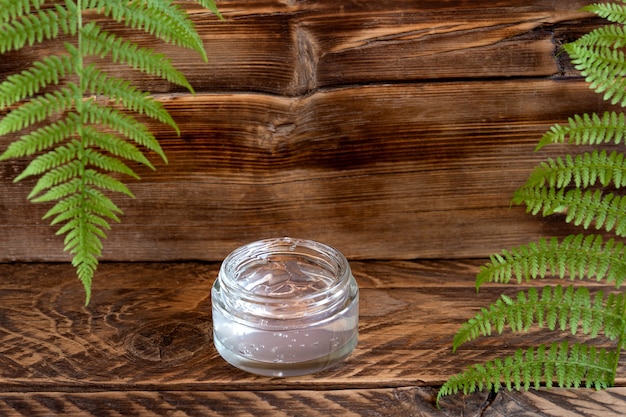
584 190
79 146
568 365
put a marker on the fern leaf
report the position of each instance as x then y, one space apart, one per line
42 138
100 43
569 366
582 171
603 68
105 182
56 176
613 36
80 152
576 256
160 19
12 9
124 124
121 91
581 207
52 159
108 163
210 5
60 191
612 12
556 308
30 81
83 234
588 129
38 109
29 29
114 145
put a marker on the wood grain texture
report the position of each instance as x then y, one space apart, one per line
144 347
383 128
396 402
381 172
293 47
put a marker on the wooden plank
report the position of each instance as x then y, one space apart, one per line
381 172
430 40
148 327
292 48
406 402
143 346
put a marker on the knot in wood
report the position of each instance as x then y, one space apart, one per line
168 343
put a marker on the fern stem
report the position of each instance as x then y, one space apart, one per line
83 144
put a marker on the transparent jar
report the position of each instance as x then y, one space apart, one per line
285 307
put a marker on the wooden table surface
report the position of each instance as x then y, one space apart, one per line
144 347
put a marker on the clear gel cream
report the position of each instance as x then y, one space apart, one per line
285 307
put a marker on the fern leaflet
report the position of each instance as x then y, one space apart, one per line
569 366
580 207
588 129
582 171
577 256
612 12
13 9
555 308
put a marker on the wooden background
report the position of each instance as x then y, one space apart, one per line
389 129
397 131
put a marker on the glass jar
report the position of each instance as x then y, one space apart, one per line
285 307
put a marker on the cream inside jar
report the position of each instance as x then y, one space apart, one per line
285 307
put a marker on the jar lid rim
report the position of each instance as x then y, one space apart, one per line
260 251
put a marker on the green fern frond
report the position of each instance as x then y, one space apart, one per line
122 92
49 160
31 81
153 18
79 154
210 5
125 124
603 67
59 175
32 28
567 366
84 233
561 185
613 12
613 36
582 207
13 9
115 146
60 191
38 109
588 129
556 308
42 138
107 163
582 256
582 171
99 43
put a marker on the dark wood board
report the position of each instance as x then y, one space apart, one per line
383 128
381 172
144 345
294 47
